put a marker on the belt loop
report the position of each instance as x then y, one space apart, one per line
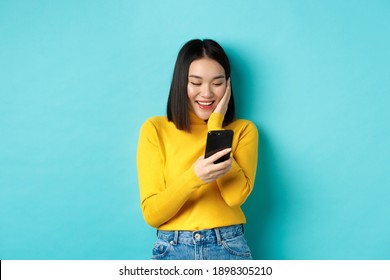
218 234
175 237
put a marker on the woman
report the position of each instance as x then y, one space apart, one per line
196 204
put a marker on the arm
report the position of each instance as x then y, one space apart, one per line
236 185
235 178
159 202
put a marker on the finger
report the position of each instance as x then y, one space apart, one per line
222 168
223 103
224 164
218 155
228 87
227 94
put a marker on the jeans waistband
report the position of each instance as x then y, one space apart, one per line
215 235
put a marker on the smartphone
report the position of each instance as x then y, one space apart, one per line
218 140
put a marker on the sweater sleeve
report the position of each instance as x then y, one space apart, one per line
215 121
236 185
160 202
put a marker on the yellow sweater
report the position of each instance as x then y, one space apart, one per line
172 196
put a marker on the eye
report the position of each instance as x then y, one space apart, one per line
195 84
217 84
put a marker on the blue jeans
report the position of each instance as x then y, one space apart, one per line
224 243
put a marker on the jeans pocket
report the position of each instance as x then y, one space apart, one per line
160 249
237 246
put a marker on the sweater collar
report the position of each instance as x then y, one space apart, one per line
195 120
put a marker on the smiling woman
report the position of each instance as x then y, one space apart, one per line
191 68
195 203
206 87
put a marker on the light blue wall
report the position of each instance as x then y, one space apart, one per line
78 78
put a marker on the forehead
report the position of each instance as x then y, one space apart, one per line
206 67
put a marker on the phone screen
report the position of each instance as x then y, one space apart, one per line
218 140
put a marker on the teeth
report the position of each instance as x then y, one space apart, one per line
205 103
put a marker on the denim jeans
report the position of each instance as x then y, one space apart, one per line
223 243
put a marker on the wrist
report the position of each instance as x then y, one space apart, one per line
215 121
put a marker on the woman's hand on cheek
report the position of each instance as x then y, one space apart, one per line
223 103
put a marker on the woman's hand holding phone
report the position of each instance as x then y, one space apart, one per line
208 171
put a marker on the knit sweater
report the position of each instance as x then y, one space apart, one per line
172 196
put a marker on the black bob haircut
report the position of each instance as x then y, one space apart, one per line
177 108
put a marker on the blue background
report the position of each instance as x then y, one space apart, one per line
78 78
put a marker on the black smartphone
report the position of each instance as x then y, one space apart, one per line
218 140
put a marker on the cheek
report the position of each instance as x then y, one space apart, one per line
220 93
190 92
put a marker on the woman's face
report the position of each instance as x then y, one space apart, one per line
206 86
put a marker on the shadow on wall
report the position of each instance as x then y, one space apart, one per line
248 91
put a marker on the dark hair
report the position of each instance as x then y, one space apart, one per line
177 108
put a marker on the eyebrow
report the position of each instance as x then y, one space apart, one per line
198 77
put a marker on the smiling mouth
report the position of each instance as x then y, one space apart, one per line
205 105
201 103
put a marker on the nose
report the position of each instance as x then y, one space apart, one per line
207 92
